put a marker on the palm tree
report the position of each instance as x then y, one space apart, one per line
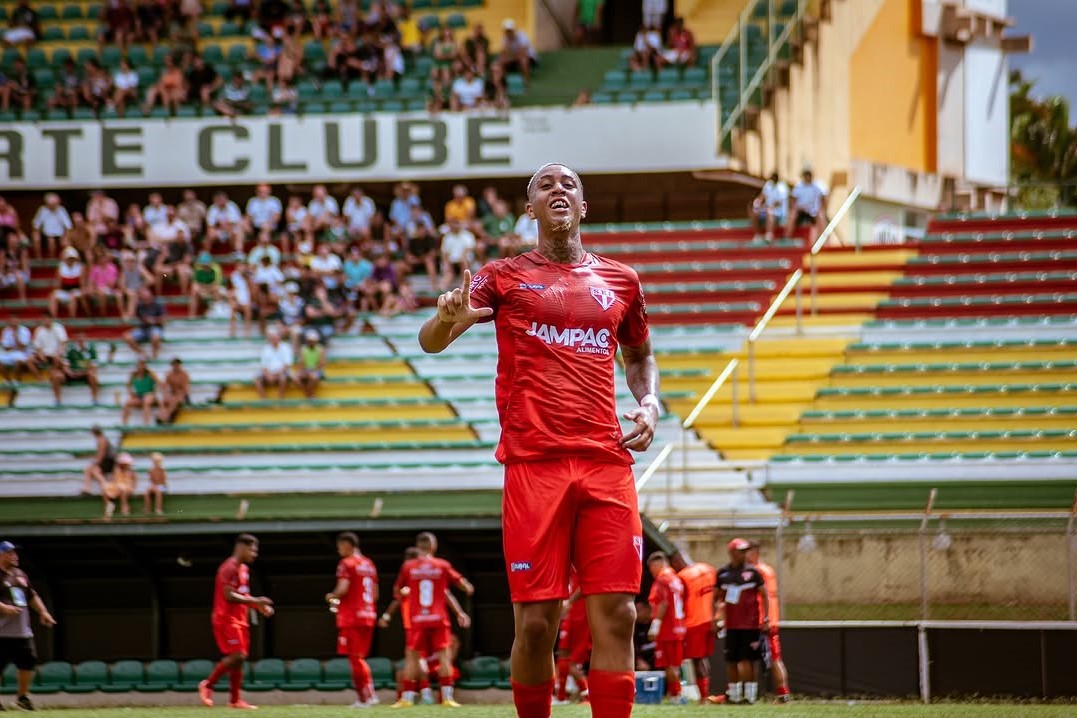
1043 147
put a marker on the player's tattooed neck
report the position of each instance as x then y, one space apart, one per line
569 251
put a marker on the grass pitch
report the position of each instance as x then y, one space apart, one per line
839 709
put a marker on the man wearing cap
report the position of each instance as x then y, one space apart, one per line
774 644
517 55
738 592
16 633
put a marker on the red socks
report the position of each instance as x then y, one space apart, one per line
704 683
235 683
218 670
674 689
583 686
563 665
533 701
361 677
612 694
783 690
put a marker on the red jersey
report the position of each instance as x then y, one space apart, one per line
558 329
698 580
427 578
668 589
358 607
742 600
231 576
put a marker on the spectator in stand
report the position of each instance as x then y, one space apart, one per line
682 45
267 282
392 58
311 363
102 285
264 250
78 364
405 195
174 261
118 24
497 229
321 21
155 492
654 12
588 21
325 266
275 365
50 223
150 314
321 313
96 86
422 243
104 460
359 210
524 234
298 21
809 206
322 208
175 392
71 278
224 223
125 87
272 17
207 282
265 54
23 27
284 100
16 350
496 89
202 82
20 86
235 98
476 50
50 343
142 385
457 253
647 50
81 237
289 313
68 89
170 88
102 214
192 212
770 207
9 223
155 212
133 277
444 52
190 13
263 211
134 226
120 487
295 215
150 20
438 95
348 16
240 299
241 10
461 208
14 265
383 290
468 91
357 270
517 53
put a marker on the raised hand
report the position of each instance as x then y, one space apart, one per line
455 306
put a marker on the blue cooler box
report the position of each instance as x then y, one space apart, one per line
650 686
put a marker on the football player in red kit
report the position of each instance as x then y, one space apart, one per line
422 584
561 314
743 610
355 598
667 621
574 644
231 600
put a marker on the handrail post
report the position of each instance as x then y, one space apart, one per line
923 554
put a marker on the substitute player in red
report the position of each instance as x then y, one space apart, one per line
355 597
742 596
231 628
667 622
774 641
422 583
569 500
698 579
573 644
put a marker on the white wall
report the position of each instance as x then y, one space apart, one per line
987 115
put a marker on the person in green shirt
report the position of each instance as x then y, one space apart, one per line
311 363
588 21
207 283
79 363
142 392
496 232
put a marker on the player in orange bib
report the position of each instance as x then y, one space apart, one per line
231 628
355 597
667 622
698 579
561 314
774 643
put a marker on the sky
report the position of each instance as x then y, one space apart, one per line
1052 62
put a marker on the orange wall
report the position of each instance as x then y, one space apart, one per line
892 90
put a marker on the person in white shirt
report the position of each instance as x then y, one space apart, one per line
264 248
263 210
654 12
240 300
457 252
467 91
170 229
224 223
517 53
276 365
50 223
359 210
322 208
15 350
50 342
325 266
809 207
155 212
525 233
647 49
770 207
125 87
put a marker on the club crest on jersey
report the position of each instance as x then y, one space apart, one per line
746 575
604 297
637 543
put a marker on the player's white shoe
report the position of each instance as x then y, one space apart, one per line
361 704
565 702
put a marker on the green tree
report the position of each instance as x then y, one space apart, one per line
1043 147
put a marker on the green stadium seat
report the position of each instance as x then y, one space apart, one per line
160 52
456 21
341 107
53 677
78 33
654 96
601 98
146 75
124 676
480 672
314 52
669 76
681 95
470 3
336 675
332 90
382 671
514 81
219 7
71 12
137 56
52 34
43 77
614 79
416 105
228 29
384 89
3 13
187 111
35 57
444 3
205 29
626 97
9 55
303 675
237 54
8 680
695 75
641 80
313 108
191 674
111 56
212 54
269 674
429 22
788 8
89 677
47 12
506 673
422 4
9 115
392 106
259 94
83 113
93 12
84 54
161 675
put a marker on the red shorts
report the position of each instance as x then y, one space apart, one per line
668 654
428 640
570 511
575 640
354 641
774 646
699 641
232 638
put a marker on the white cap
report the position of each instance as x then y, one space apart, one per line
509 24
